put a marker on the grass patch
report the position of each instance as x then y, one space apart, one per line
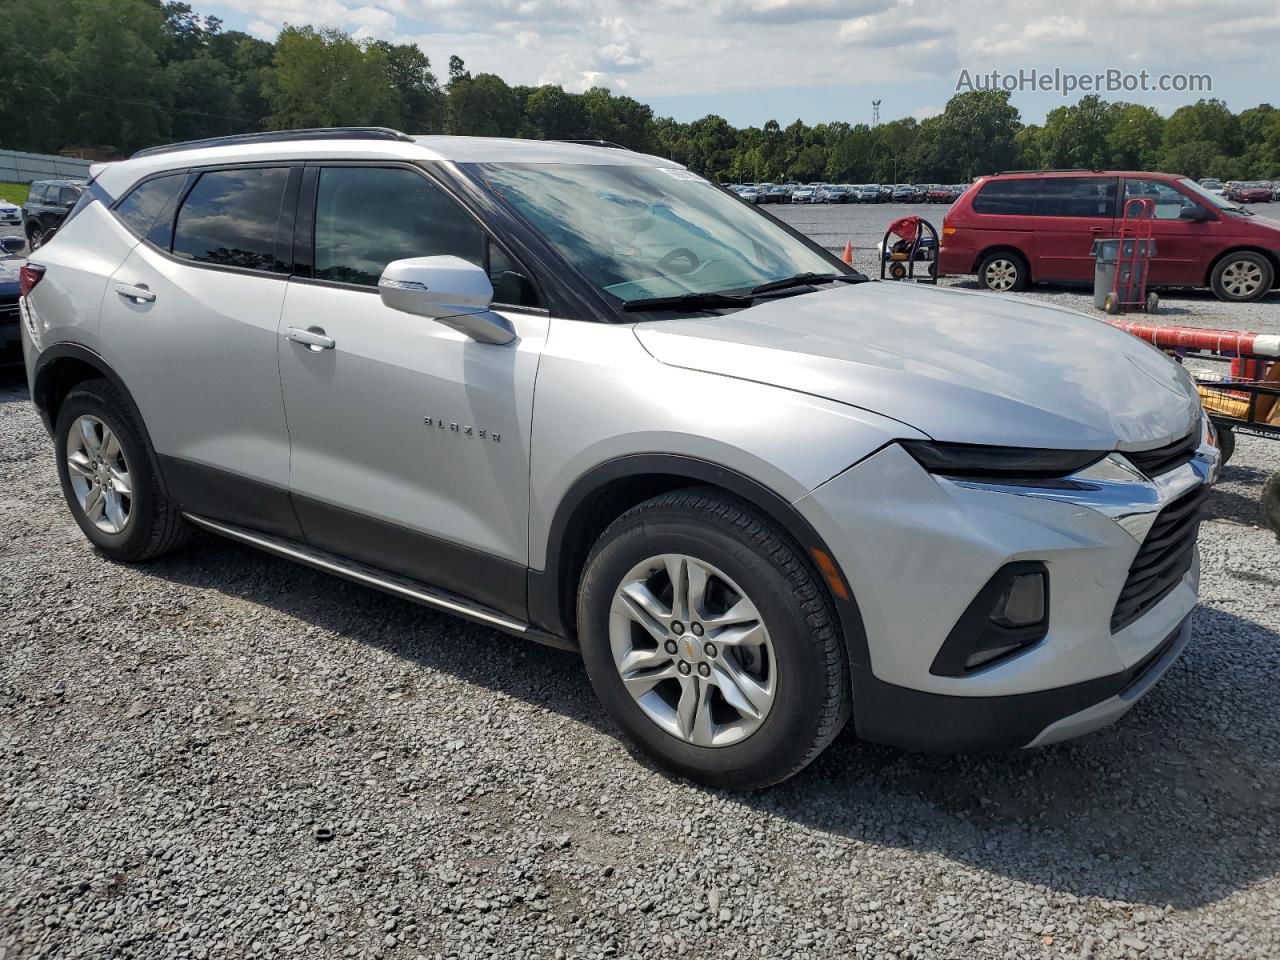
13 192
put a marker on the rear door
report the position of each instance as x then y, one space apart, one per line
1072 212
189 320
1181 245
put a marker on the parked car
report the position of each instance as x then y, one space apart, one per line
1253 191
886 192
11 259
577 401
1212 185
1015 229
805 194
837 193
10 218
750 194
904 193
1275 190
48 203
779 193
938 194
867 193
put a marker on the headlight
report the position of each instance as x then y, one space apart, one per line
976 461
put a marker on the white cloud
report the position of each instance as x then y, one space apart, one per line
924 113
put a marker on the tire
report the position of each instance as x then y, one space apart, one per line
1242 277
1003 272
1111 304
35 236
1271 502
745 558
152 526
1226 445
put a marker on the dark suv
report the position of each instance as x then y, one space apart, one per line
47 206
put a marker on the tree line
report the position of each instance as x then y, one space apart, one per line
125 74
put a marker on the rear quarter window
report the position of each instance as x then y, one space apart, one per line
230 219
147 210
1007 197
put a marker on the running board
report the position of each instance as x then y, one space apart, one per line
381 580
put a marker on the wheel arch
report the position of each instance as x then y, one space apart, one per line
608 490
1269 255
61 368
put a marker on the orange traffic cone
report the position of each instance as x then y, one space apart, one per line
847 256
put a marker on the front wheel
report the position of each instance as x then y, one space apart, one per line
710 641
1242 277
35 236
1003 272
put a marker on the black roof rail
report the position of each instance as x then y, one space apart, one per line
281 136
596 143
1000 173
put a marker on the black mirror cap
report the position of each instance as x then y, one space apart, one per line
1196 214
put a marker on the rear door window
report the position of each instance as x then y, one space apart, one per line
1077 197
68 196
36 195
1007 197
230 218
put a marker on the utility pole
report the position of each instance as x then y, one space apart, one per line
875 113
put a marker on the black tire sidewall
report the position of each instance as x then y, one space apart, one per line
1268 274
782 742
132 541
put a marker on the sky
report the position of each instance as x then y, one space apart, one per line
818 60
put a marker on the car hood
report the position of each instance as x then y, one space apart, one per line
959 366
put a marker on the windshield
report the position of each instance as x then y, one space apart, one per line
1213 199
639 232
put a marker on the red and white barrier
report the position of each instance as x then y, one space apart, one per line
1226 343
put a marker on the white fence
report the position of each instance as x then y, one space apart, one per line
18 167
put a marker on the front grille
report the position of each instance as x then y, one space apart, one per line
1163 459
1163 559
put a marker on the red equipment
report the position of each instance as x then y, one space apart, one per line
1133 259
917 243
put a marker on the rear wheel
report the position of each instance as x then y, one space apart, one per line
105 467
1003 272
35 236
1241 277
710 642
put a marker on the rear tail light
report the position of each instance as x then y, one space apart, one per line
28 276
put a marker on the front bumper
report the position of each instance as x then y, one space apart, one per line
916 549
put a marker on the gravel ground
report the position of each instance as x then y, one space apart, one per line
223 754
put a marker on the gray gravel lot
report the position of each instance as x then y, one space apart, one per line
223 754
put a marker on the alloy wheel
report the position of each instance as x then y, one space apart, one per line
692 650
99 474
1001 275
1241 278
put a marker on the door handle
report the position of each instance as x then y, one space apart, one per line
137 292
1095 229
312 339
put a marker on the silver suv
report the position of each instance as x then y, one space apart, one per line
587 397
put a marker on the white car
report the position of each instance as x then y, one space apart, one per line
10 218
582 395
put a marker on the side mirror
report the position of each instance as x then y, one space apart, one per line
1196 214
12 245
451 290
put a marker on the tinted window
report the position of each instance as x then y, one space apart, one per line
1015 197
148 208
1169 202
367 216
36 194
68 195
511 285
230 217
1077 197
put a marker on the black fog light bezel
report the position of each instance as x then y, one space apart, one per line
976 631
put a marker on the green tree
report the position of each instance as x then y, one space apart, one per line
1204 120
419 99
482 106
1077 136
556 115
324 78
1134 137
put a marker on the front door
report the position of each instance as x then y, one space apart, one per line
410 441
1071 212
1179 243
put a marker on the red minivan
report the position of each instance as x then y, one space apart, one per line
1012 229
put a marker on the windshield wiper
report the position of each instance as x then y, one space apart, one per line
688 301
800 280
